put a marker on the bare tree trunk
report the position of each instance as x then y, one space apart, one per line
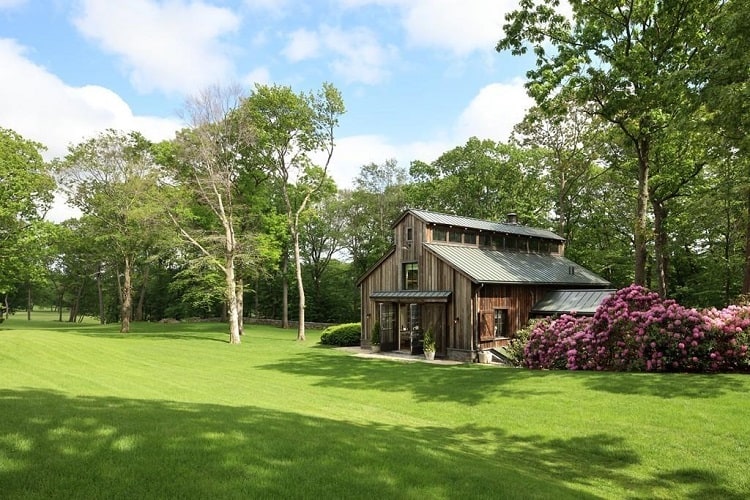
126 308
100 294
284 290
300 286
138 315
231 296
29 302
76 305
641 215
241 306
660 243
60 304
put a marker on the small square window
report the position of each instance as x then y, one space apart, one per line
500 323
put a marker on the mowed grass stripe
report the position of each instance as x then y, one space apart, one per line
178 412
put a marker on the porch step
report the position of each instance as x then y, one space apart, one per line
499 357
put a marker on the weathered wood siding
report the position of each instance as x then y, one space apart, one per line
518 300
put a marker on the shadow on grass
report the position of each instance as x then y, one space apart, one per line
668 385
466 384
55 446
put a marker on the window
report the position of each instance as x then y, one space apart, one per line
455 236
409 234
411 276
500 323
470 238
486 240
438 234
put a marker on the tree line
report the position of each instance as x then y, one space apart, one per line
636 153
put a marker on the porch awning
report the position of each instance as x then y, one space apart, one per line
411 296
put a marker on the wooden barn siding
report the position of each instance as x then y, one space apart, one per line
443 277
384 277
517 299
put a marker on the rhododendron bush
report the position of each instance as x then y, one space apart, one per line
636 330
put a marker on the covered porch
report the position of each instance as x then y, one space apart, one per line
405 315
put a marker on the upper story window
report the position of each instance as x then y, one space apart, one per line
470 238
439 234
411 276
409 234
455 236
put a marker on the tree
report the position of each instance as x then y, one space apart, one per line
292 130
631 60
113 179
207 163
378 199
483 179
26 188
725 84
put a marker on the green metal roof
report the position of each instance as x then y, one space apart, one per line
483 225
411 295
494 266
583 302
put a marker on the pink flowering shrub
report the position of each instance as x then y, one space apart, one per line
636 330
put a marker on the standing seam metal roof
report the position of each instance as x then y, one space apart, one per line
495 266
483 225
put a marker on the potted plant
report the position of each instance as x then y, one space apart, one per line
375 337
428 344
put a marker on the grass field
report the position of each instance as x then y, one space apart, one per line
174 411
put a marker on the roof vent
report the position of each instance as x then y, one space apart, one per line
512 218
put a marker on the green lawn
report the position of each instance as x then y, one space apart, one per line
174 411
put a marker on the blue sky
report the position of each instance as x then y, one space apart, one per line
418 77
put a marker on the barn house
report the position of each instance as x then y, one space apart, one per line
472 282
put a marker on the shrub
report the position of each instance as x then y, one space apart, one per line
636 330
347 334
375 335
514 351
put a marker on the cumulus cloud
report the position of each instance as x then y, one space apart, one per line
170 47
355 54
303 44
458 27
494 111
40 106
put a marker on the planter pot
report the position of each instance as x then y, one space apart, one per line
429 355
375 348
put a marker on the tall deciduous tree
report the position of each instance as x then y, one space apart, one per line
482 179
295 142
113 179
26 188
378 199
210 164
632 60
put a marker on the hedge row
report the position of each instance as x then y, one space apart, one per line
347 334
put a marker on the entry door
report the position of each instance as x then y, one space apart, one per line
410 327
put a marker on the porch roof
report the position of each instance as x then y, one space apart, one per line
411 295
583 302
483 265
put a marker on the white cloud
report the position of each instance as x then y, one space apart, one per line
171 46
40 106
359 57
303 44
493 113
456 26
11 4
258 75
355 55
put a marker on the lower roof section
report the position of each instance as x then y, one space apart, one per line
411 295
582 302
